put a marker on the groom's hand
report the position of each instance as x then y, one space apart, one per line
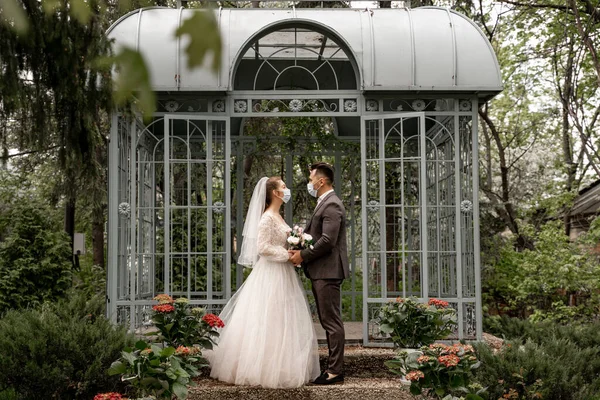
295 257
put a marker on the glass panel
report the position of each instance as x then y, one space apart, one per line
198 230
218 268
374 278
199 276
179 230
179 179
179 274
412 274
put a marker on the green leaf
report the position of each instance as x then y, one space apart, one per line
168 327
180 390
167 352
141 345
50 6
171 374
80 9
13 12
117 368
204 38
133 80
386 328
129 357
414 389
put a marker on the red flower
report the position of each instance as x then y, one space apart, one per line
438 303
213 321
163 308
109 396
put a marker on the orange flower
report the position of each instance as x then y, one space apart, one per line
164 299
146 352
438 303
415 375
163 308
450 360
109 396
423 359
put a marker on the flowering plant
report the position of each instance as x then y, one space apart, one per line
439 369
412 324
179 324
298 240
109 396
162 372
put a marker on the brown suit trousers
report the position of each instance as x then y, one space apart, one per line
326 265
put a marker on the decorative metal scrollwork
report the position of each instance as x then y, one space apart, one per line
240 106
372 105
373 205
219 207
466 206
295 105
350 105
171 106
218 106
419 105
124 209
464 105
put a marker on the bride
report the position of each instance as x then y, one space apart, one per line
268 338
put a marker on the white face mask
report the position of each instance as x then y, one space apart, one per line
287 195
311 189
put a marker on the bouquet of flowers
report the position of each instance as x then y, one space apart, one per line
298 240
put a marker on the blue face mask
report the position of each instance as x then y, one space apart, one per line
287 195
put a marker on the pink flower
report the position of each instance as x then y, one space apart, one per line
415 375
450 360
423 359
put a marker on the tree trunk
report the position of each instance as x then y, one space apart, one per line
70 217
565 95
98 239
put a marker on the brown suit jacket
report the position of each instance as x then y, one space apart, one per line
329 257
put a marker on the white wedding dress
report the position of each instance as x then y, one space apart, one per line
268 338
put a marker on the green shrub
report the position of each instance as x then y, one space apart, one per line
60 351
558 280
544 359
34 257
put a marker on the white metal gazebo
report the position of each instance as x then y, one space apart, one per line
401 87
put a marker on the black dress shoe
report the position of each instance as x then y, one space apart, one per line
325 380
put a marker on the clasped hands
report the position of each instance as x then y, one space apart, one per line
295 257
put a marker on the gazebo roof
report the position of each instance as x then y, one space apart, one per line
427 49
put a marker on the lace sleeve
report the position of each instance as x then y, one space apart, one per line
268 246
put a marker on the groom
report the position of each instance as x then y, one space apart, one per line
326 265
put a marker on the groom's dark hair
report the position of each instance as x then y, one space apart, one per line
323 169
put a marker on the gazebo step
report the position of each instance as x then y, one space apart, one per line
352 389
359 362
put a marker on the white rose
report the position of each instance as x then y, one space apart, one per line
307 237
293 240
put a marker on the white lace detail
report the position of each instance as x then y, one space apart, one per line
272 238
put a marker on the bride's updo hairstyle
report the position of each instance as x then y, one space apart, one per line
272 184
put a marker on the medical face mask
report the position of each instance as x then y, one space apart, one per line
287 195
311 189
